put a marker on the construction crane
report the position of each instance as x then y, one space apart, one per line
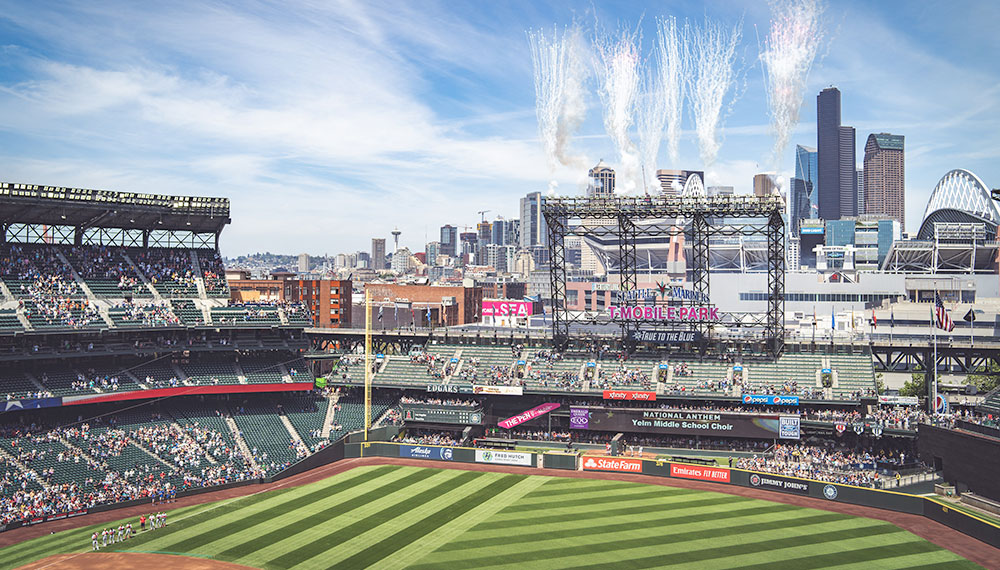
482 213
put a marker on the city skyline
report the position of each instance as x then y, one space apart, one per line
89 100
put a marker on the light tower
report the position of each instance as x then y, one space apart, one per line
395 239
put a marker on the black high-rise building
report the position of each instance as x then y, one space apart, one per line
828 146
848 172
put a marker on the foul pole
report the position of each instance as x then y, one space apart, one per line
368 362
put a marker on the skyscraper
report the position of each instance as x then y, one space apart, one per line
848 174
803 196
884 178
763 184
449 240
533 230
378 253
860 185
602 181
673 182
828 149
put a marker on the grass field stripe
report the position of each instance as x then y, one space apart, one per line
547 490
668 540
269 533
341 536
960 564
459 525
418 530
194 536
639 494
515 522
802 518
685 555
594 491
852 556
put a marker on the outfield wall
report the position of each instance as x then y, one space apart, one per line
970 461
834 492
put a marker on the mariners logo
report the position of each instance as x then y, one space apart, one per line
830 492
755 480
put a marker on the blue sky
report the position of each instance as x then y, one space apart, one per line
328 123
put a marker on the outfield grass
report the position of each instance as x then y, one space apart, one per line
397 517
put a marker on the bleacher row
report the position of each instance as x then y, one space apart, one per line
114 272
81 315
540 369
137 452
208 369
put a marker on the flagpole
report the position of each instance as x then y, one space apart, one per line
368 361
933 391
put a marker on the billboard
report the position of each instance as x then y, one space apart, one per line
426 452
665 337
770 400
498 390
612 464
629 395
506 308
503 457
898 400
700 472
779 483
528 415
686 422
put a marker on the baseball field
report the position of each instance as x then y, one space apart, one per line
395 516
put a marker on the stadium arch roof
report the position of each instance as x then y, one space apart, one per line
960 196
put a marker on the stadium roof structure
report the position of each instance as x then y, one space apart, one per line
84 208
959 197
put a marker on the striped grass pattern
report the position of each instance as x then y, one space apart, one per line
407 517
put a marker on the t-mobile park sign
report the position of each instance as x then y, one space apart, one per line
673 314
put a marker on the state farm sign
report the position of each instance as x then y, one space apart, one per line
610 464
629 395
506 308
700 473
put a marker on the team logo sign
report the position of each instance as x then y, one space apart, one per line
877 430
830 492
446 453
859 428
841 427
755 480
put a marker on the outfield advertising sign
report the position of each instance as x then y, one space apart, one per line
629 395
770 400
612 464
779 483
528 415
579 418
426 452
699 472
503 457
498 390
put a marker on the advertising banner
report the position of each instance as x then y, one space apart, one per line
779 483
665 337
612 464
499 390
770 400
450 389
506 308
528 415
461 415
699 472
685 422
898 400
579 418
503 457
629 395
426 452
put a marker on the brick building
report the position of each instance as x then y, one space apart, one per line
329 301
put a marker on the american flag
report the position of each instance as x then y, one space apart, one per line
941 316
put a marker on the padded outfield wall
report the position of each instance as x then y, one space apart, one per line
970 461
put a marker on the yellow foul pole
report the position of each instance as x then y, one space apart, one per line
368 362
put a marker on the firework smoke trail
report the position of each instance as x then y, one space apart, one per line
661 99
560 72
788 55
618 65
710 54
